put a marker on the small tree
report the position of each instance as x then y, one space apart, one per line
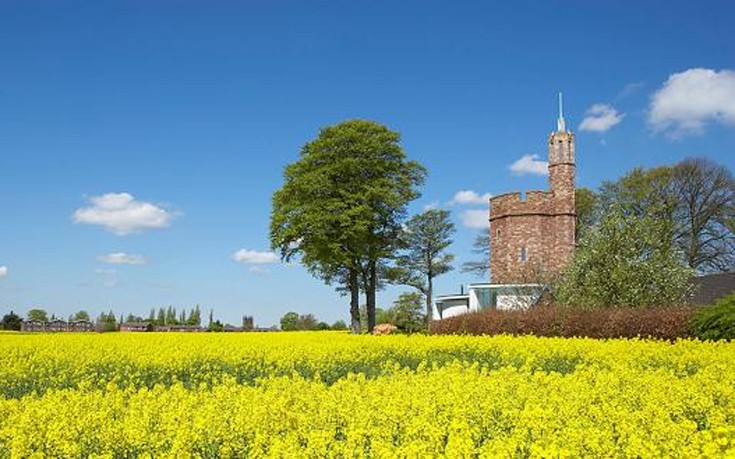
195 317
107 322
339 325
625 261
11 321
290 321
80 315
406 313
38 315
425 239
481 246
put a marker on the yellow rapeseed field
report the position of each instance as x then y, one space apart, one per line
329 394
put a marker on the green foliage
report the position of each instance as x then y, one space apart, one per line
424 241
37 315
107 322
339 325
406 313
625 261
11 321
585 203
716 322
342 204
80 315
133 318
195 316
696 196
292 321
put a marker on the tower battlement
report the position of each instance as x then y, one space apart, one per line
534 233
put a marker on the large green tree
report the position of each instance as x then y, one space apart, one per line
697 197
342 205
625 261
424 240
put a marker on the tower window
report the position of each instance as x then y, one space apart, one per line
524 255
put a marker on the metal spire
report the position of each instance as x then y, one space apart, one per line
560 125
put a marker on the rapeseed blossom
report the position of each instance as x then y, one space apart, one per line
328 394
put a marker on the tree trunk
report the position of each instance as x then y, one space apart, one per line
370 294
429 291
354 302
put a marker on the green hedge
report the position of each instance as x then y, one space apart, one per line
716 322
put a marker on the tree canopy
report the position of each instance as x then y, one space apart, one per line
624 261
342 205
696 195
37 314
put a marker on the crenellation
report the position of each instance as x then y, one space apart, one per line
536 234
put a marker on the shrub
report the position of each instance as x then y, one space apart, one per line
716 322
625 261
655 322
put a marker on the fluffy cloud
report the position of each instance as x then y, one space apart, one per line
470 197
122 214
475 218
3 271
529 164
690 99
254 257
121 258
600 118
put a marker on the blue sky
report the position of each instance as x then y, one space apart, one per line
140 142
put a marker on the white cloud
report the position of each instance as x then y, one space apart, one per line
529 164
122 214
690 99
3 271
475 218
470 197
254 257
121 258
600 118
258 271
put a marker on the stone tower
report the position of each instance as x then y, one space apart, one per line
532 238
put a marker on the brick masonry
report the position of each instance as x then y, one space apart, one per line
532 239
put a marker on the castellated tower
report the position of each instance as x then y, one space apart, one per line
533 238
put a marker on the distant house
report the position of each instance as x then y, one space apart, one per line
178 328
56 326
136 327
33 326
711 287
80 326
